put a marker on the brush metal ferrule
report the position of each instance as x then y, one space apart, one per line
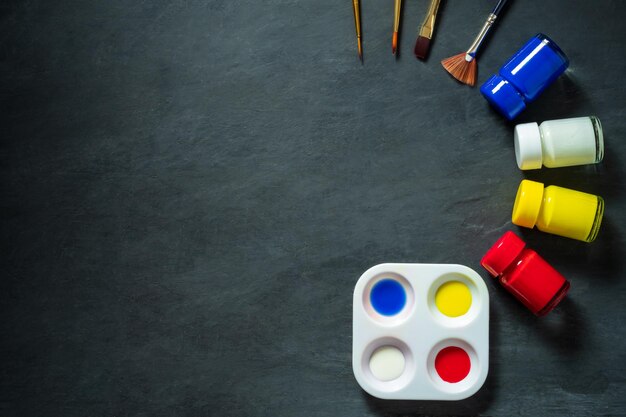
470 54
428 26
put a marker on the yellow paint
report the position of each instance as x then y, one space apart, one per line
558 210
570 213
453 299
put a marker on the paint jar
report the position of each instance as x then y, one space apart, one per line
524 77
525 274
559 143
558 210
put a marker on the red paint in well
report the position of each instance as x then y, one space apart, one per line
452 364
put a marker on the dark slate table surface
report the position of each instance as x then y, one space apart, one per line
190 190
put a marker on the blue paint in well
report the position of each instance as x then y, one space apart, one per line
388 297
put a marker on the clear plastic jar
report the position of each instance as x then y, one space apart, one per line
525 274
559 143
558 210
525 76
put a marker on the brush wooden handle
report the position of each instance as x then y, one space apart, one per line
357 17
396 20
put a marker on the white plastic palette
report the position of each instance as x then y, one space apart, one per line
404 347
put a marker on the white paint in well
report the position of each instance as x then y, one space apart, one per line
387 363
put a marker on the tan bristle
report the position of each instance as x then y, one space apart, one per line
461 69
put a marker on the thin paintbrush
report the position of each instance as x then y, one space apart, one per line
357 25
396 26
463 66
422 45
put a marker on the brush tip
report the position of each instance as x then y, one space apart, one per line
461 69
394 43
422 46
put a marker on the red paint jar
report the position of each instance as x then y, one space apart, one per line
525 274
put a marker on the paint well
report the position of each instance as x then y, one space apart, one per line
387 363
388 297
453 299
452 364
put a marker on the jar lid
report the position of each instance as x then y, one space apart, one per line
527 138
502 253
527 203
503 96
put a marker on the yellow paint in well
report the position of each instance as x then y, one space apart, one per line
453 299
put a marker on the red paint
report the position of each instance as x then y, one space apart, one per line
525 274
452 364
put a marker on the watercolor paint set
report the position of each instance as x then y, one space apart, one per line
420 331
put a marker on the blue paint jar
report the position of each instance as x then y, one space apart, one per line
524 77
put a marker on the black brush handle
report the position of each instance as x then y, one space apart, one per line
499 7
471 52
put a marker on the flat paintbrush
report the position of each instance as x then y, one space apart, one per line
463 66
422 45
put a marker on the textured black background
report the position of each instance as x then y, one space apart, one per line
191 188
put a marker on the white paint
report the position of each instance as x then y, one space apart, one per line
568 142
387 363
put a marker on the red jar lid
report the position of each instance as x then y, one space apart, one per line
502 253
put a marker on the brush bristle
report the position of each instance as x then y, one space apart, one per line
422 45
461 69
394 43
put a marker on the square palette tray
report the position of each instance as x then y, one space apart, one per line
420 331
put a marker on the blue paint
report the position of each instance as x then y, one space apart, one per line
525 76
388 297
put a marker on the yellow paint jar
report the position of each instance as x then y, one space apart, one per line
558 210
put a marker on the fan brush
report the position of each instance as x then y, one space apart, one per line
463 66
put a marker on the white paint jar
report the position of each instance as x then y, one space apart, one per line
559 143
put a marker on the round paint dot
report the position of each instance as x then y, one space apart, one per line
452 364
388 297
387 363
453 298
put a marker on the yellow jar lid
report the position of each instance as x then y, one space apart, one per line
527 203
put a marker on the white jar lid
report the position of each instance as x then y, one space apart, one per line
528 146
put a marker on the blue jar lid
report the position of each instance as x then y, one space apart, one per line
503 96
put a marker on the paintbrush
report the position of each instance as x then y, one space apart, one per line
357 25
396 26
422 45
463 66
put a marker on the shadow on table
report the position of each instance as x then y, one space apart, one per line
564 330
601 260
